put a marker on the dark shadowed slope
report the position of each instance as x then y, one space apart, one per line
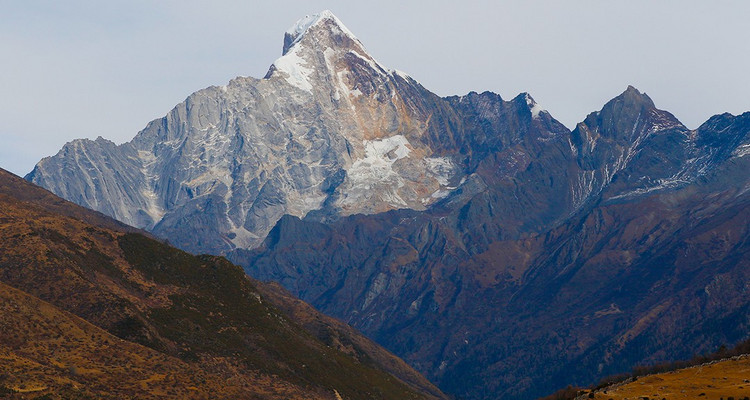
519 298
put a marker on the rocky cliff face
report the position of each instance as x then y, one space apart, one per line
328 129
528 254
574 257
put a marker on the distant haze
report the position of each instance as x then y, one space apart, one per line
82 69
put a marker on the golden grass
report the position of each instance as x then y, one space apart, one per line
713 381
87 311
44 350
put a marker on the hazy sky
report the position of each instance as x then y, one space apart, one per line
81 69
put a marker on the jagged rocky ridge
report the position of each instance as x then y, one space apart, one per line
527 285
527 253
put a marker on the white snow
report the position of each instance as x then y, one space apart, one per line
243 238
442 169
294 66
375 172
340 77
298 71
583 188
402 74
668 183
439 194
573 149
378 150
303 24
535 108
152 208
297 31
370 61
374 175
742 151
299 203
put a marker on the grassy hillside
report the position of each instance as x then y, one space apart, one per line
140 312
723 374
713 381
47 351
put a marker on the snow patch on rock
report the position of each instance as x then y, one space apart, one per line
242 238
295 67
149 195
369 176
442 169
533 106
741 151
298 30
383 148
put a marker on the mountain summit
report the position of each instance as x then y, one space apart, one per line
319 47
325 22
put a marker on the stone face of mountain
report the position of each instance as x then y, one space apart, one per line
622 243
327 130
493 249
93 310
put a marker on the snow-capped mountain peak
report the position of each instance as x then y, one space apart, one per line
319 48
328 130
297 31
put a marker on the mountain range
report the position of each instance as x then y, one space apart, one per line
496 251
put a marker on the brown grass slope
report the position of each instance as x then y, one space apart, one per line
44 350
341 336
711 381
724 373
202 310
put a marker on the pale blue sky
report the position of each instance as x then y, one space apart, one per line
74 69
